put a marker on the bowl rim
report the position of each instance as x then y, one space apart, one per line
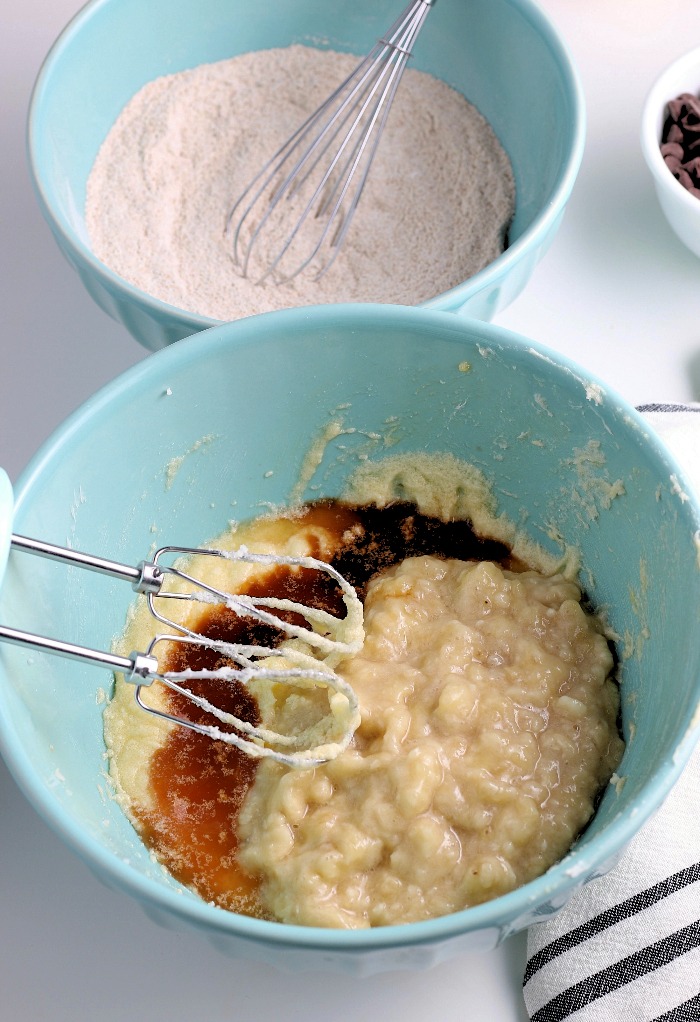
7 505
658 95
455 297
501 913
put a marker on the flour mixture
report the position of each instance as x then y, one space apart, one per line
436 209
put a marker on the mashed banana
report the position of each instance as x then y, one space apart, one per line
489 728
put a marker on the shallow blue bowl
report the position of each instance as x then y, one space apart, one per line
238 406
504 55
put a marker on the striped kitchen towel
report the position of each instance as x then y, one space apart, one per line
627 946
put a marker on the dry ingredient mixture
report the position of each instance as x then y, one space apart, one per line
489 724
680 141
436 208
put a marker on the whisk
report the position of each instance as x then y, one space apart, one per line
328 637
322 169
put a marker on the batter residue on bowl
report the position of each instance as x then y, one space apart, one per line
489 728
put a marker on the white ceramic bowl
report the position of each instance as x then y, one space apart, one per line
681 209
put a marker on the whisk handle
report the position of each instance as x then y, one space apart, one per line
146 577
139 668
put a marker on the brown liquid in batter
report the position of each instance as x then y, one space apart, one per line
199 785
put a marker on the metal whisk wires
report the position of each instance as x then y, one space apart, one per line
311 644
295 214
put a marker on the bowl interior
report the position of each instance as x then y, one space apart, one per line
217 427
501 54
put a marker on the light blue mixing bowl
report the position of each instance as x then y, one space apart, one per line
217 426
504 55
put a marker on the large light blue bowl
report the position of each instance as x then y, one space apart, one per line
236 409
504 55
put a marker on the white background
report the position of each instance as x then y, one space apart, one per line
616 292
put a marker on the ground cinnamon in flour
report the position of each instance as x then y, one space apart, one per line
436 208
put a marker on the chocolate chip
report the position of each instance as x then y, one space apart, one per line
680 141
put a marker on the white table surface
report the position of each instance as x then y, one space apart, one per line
616 292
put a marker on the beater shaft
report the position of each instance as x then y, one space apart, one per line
146 577
139 668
